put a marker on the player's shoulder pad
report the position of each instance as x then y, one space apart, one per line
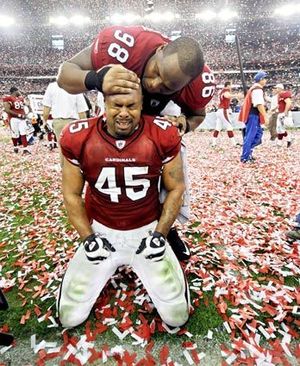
74 135
161 131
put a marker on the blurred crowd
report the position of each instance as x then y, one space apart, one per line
29 59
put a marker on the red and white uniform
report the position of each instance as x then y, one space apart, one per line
224 103
282 96
198 93
122 201
122 174
18 125
283 120
223 120
16 104
132 47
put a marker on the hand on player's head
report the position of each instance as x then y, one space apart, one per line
119 80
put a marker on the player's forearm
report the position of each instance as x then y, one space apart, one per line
288 106
71 78
77 214
171 208
46 113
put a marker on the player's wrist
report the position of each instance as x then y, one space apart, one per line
158 234
94 79
88 237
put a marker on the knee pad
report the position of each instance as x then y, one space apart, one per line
171 284
78 289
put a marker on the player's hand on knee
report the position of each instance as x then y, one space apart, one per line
153 247
119 80
97 248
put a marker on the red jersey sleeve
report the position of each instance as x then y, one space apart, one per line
6 99
129 46
285 94
199 92
165 136
73 137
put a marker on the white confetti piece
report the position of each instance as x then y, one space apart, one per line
188 357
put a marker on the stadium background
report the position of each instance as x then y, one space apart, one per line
269 40
237 211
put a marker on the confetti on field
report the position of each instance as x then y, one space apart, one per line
240 255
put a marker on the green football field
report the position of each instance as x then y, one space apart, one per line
243 274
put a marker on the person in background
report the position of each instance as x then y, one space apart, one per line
273 114
63 107
223 113
253 114
14 107
284 117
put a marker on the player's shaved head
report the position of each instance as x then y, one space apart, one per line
173 66
189 53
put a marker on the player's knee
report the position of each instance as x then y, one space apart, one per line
70 317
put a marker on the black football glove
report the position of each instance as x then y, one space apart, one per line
153 247
97 248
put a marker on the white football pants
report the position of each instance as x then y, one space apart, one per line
83 281
223 120
283 122
18 127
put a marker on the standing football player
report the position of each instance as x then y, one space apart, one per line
121 221
14 107
284 118
223 113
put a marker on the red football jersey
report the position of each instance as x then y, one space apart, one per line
132 46
282 96
198 93
129 46
224 102
16 103
123 174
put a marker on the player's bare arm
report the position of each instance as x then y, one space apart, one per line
46 113
73 73
172 176
72 185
